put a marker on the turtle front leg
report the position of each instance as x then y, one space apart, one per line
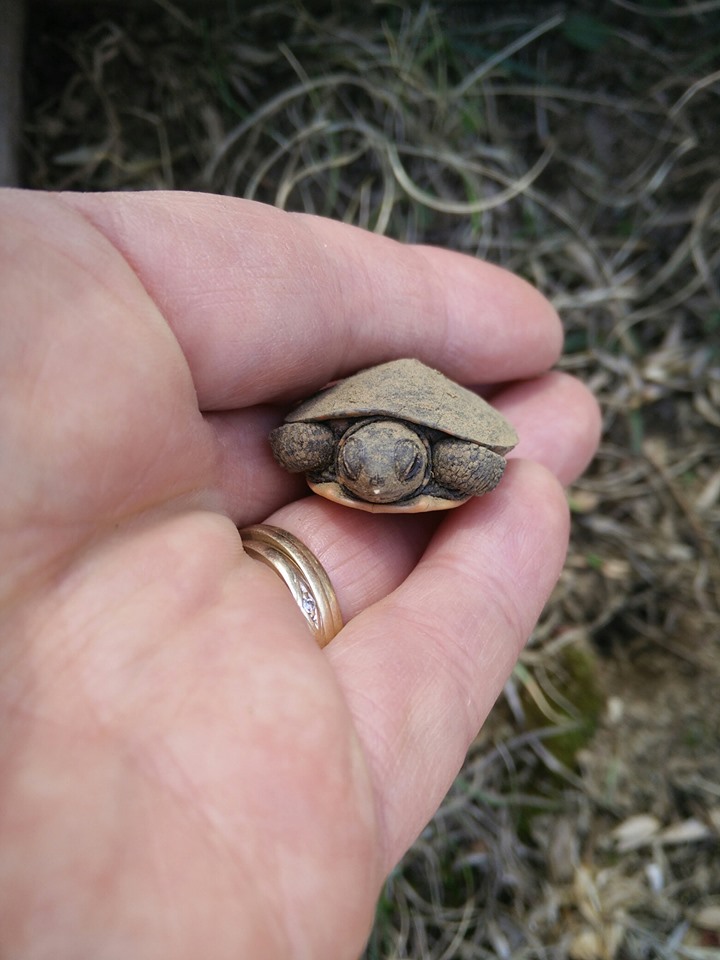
466 467
300 447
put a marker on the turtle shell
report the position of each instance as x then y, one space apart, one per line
408 390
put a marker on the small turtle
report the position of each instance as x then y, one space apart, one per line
397 438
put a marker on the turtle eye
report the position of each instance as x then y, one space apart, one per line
409 461
351 459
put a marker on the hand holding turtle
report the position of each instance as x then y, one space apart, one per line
185 773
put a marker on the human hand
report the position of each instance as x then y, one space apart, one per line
184 773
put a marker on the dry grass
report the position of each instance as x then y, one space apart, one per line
581 150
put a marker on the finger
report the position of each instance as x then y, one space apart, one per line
558 422
556 417
267 304
365 555
422 668
251 482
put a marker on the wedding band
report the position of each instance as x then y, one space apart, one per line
302 573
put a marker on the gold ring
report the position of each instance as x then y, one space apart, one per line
302 573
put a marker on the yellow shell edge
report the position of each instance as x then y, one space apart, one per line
422 504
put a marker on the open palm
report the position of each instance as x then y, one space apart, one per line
184 773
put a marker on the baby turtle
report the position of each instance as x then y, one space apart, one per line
397 438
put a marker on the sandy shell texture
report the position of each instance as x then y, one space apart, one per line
409 390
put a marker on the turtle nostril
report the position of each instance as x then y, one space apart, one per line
376 484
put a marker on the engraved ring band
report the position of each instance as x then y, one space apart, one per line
301 572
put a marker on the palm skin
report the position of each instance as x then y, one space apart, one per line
183 772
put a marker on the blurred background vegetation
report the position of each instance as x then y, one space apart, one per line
578 144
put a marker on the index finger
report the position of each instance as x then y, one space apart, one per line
268 305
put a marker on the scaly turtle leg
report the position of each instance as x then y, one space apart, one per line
300 447
466 467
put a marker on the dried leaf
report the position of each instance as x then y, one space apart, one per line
689 831
635 832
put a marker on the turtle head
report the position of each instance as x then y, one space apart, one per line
382 461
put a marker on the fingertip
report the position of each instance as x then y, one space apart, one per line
558 421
